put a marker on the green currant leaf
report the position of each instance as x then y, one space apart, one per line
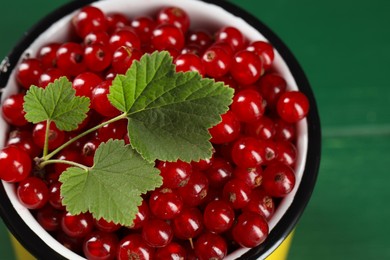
169 113
58 103
112 187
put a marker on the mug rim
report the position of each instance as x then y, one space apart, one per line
286 224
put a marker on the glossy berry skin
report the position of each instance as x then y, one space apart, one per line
49 76
106 226
115 130
77 225
287 152
96 37
188 224
157 233
15 164
227 130
237 193
253 177
250 230
97 57
47 55
232 36
68 155
200 38
124 38
55 198
265 51
210 246
167 36
189 62
70 58
49 218
248 105
89 19
100 101
89 149
216 62
247 153
174 16
142 216
263 128
115 21
123 58
72 243
278 179
195 191
28 72
246 67
12 110
133 246
23 140
100 245
56 137
292 106
285 131
172 251
261 203
32 193
175 174
218 216
219 172
165 203
143 27
271 86
84 83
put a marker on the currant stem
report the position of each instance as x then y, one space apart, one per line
44 163
47 133
48 156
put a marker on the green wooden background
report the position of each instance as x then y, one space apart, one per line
344 47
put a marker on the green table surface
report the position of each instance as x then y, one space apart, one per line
343 46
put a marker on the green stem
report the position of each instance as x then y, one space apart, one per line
48 156
47 133
44 163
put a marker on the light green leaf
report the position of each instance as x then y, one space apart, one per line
58 103
112 187
169 113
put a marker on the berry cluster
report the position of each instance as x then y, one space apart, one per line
204 209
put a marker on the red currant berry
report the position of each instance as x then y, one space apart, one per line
106 226
202 165
189 62
218 216
248 105
143 26
192 49
142 216
89 19
100 245
246 67
15 164
157 233
216 62
263 128
68 155
133 246
55 198
84 83
250 230
100 101
195 191
284 130
12 110
49 218
74 244
278 179
292 106
167 36
271 86
172 251
77 225
123 57
247 153
23 140
210 246
97 57
199 38
70 58
32 193
227 130
175 174
219 172
56 137
96 37
47 55
228 81
253 177
165 204
261 203
115 21
232 36
188 224
28 72
115 130
89 149
237 193
174 16
287 152
265 51
125 37
49 76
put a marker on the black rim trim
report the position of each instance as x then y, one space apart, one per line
40 249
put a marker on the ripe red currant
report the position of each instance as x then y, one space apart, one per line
77 225
165 203
55 139
216 62
100 245
106 226
97 57
210 246
89 19
175 16
250 230
133 246
265 51
32 193
261 203
218 216
195 191
271 86
253 177
189 62
28 72
167 36
237 193
292 106
70 58
248 105
85 82
246 67
15 164
227 130
247 152
157 233
188 224
278 179
100 101
172 251
49 218
175 174
47 55
232 36
12 110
